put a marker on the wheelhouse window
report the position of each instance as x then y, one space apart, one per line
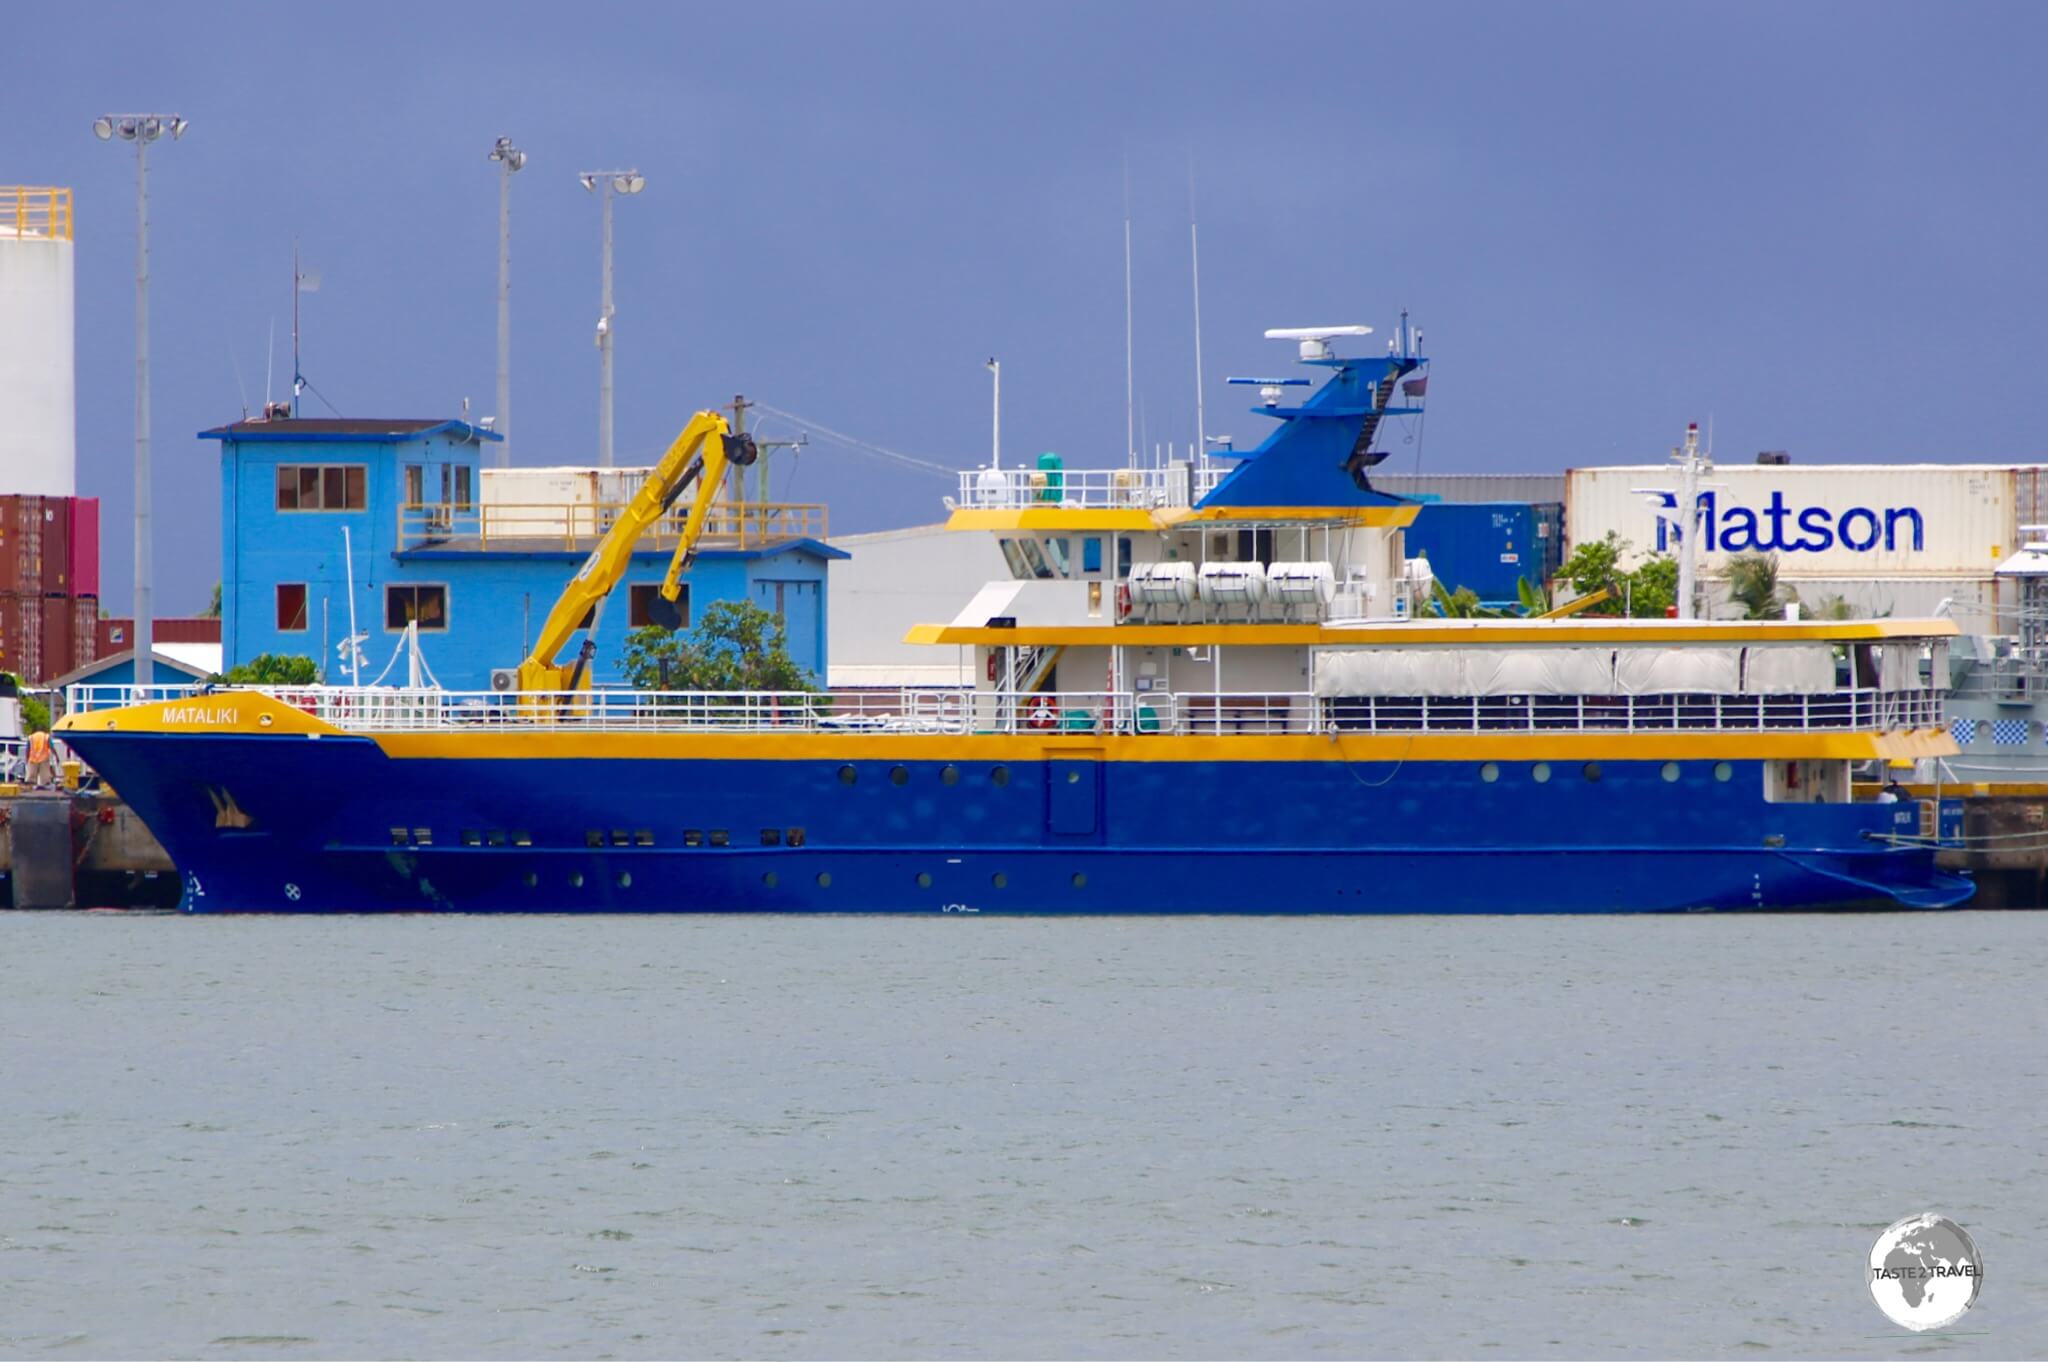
291 607
463 491
410 603
640 604
322 487
415 484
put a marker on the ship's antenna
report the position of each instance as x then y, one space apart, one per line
269 364
1130 371
1195 257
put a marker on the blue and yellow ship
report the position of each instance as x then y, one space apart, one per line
1200 691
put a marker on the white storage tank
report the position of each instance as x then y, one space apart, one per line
38 360
1301 583
1233 583
1163 584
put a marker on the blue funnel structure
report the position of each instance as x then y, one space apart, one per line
1320 453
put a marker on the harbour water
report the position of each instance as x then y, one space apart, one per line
456 1137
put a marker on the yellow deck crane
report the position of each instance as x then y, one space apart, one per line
700 454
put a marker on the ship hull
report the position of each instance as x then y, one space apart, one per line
339 824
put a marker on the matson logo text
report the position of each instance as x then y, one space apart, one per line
1780 528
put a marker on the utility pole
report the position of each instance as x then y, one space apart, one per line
142 129
509 159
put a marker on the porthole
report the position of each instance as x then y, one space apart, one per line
1073 777
532 880
1591 770
999 776
949 775
575 879
1670 772
625 879
1490 772
1540 772
847 775
924 879
824 879
770 879
999 880
1723 771
1080 880
899 775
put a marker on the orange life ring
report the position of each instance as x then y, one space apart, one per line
1041 714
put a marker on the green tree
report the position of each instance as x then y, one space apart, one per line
1646 593
212 611
735 646
1753 584
271 669
35 715
1534 600
1652 589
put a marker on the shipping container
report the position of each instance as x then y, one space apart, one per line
1487 548
85 546
85 618
21 636
57 647
1822 520
114 633
21 545
57 549
111 636
1534 488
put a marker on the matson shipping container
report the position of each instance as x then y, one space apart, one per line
1851 522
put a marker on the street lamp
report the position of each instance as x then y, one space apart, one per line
509 159
604 184
141 129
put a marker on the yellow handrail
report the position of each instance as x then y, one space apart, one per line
36 210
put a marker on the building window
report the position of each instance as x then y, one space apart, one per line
405 604
291 607
415 484
640 604
447 484
322 487
463 493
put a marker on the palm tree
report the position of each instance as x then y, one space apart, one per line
1462 604
1753 585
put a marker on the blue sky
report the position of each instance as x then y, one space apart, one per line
1817 224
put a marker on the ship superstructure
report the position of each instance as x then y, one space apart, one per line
1199 689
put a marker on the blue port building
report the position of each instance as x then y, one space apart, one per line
398 519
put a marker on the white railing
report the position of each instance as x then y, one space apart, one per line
959 711
1088 488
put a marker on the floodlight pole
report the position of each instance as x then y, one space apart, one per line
604 338
509 159
142 129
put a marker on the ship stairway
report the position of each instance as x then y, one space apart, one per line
1033 667
1361 449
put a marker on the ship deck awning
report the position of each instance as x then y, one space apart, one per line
1405 633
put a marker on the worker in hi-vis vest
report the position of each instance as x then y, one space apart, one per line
41 769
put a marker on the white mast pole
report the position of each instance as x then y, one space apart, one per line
1195 255
1130 371
995 456
355 654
